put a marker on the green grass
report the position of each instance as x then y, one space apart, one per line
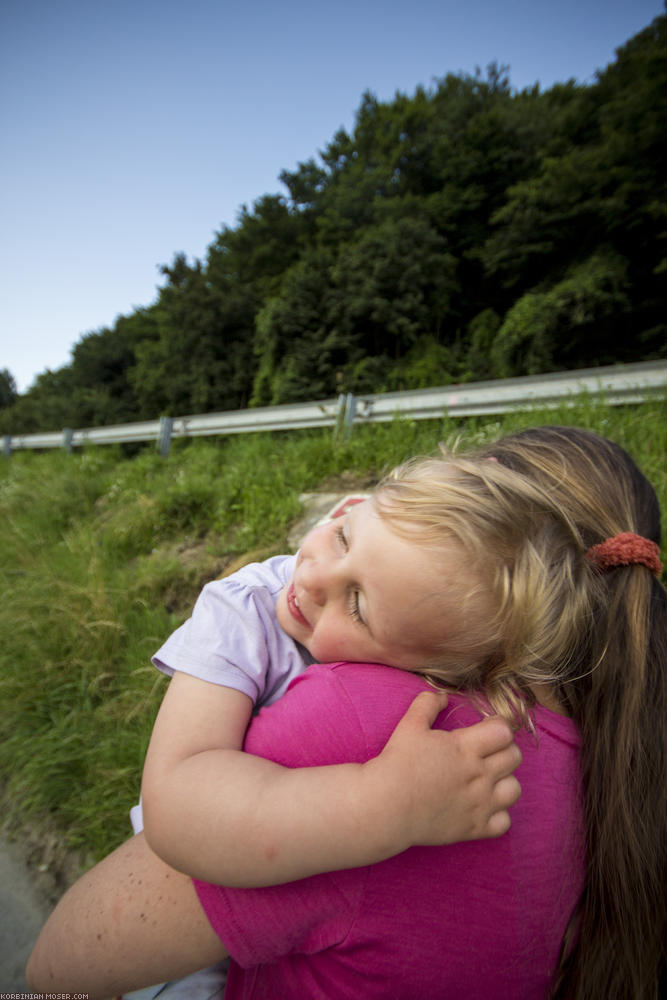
102 556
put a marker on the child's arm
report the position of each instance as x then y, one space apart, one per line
228 817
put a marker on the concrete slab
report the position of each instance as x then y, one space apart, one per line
321 507
22 913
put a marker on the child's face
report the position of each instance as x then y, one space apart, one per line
361 592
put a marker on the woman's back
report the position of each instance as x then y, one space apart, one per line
476 919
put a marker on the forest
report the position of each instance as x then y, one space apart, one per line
469 231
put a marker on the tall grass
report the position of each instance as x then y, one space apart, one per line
102 556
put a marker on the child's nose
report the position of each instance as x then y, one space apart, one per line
318 580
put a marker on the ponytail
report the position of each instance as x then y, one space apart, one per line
614 947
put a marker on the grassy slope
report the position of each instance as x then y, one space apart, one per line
102 556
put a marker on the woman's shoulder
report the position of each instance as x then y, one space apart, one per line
334 712
379 692
372 688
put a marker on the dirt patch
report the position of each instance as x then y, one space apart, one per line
175 572
348 482
197 565
38 848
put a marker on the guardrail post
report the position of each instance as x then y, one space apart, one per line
350 411
68 434
340 415
6 445
164 435
345 413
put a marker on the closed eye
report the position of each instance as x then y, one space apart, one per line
340 536
353 608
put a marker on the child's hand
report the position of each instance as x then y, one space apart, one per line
454 785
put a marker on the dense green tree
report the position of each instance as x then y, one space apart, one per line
481 334
298 354
305 185
540 330
607 193
393 284
46 406
377 298
255 255
100 367
8 392
197 361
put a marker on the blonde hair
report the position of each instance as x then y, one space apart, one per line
529 556
526 510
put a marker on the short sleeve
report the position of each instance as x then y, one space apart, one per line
232 637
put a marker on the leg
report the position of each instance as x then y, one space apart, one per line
129 922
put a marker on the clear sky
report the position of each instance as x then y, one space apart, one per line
135 129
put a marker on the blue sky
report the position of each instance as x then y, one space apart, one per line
135 129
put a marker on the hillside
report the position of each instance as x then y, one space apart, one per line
102 556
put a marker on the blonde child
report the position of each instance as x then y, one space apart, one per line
247 639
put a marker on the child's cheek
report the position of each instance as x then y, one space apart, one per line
328 646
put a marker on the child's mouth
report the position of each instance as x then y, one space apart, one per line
294 609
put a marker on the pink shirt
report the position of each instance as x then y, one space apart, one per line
482 919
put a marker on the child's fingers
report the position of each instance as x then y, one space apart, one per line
506 792
487 737
498 824
504 761
425 709
491 739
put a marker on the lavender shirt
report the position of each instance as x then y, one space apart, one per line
233 638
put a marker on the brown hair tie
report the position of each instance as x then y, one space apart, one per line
626 549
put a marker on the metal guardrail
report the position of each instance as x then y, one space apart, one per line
617 384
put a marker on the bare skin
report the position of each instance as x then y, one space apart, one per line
116 929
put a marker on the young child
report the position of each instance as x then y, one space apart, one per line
249 636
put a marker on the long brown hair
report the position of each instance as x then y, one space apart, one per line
527 509
620 707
